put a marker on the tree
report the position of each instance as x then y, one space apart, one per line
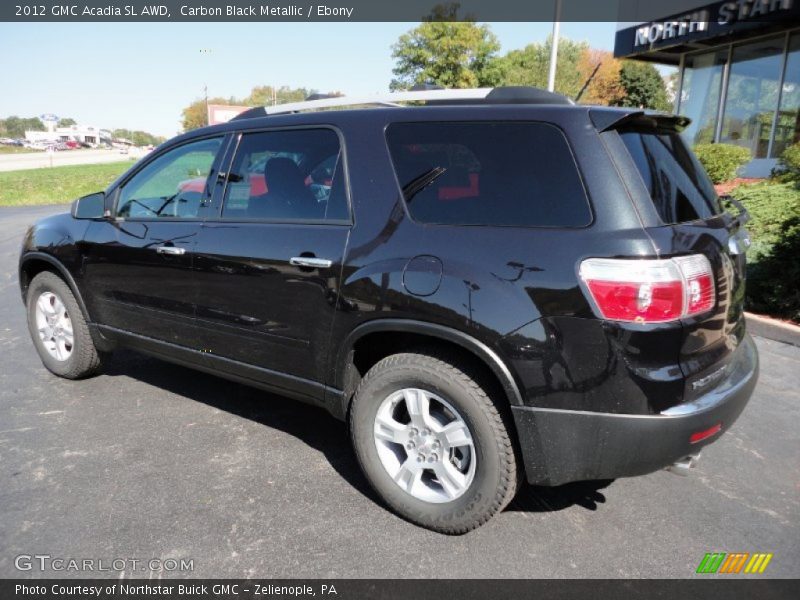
139 138
605 88
15 127
68 122
644 87
264 95
530 66
449 54
195 115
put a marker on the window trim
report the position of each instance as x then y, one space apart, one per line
218 160
581 178
239 134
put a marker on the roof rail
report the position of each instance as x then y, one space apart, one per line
502 95
385 99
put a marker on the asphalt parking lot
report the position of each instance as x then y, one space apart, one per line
151 460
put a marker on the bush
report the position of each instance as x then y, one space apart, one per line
770 205
722 161
773 283
773 271
790 159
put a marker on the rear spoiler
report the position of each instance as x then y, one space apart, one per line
605 119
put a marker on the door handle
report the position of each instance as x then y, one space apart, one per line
171 250
310 261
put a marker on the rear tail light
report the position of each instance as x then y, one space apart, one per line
650 290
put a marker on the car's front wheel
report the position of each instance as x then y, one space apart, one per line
58 328
432 442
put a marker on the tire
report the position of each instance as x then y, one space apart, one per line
71 358
488 467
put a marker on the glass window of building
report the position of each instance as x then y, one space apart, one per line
787 129
702 82
752 95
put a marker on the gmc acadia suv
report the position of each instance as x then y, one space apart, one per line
497 285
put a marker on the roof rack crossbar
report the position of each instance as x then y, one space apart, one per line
385 99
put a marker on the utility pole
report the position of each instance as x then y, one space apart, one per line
551 77
206 52
205 95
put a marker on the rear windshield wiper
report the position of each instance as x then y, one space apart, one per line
416 185
743 216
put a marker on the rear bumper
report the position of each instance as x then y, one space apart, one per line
559 446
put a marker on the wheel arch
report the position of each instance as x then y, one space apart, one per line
33 263
347 375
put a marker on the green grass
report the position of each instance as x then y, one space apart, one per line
16 150
57 185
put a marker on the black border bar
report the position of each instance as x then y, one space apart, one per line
701 588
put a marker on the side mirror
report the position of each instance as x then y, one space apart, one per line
89 207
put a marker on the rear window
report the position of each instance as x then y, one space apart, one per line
678 185
502 174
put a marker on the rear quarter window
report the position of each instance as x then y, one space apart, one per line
514 174
675 180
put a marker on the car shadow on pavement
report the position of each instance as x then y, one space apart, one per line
534 498
313 425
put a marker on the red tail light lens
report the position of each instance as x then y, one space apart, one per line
650 290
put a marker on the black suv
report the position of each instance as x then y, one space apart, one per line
493 286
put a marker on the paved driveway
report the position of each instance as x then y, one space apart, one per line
152 460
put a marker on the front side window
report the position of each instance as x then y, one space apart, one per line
287 175
173 185
503 174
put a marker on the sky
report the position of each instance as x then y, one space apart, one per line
141 75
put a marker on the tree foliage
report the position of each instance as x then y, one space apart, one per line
139 138
67 122
264 95
15 127
446 53
605 87
195 115
644 87
531 64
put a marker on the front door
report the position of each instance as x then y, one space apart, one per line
268 268
138 264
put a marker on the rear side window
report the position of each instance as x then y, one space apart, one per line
678 185
287 175
502 174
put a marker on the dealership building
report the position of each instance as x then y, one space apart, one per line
739 69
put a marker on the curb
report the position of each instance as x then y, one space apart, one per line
773 329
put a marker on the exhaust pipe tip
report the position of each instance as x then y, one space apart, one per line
684 465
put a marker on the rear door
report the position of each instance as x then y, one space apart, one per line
139 262
268 266
683 215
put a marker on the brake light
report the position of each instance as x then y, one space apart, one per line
650 290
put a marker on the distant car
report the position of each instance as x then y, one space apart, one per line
72 144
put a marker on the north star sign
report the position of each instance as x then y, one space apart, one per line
704 23
727 13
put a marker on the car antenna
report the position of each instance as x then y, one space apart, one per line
588 81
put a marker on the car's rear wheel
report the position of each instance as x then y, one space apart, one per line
432 442
58 328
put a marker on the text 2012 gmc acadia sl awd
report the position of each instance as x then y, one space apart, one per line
495 285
